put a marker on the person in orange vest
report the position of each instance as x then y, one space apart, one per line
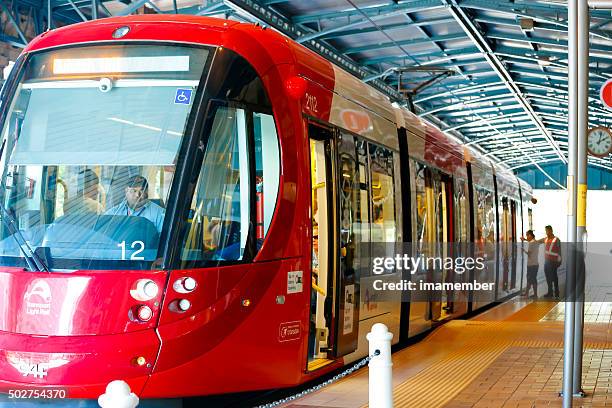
552 260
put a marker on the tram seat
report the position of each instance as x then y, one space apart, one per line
229 247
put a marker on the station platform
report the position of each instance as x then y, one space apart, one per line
510 356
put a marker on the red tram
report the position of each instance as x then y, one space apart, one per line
184 199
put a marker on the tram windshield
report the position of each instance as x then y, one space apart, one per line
89 149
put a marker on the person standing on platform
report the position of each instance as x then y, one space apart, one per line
533 264
552 261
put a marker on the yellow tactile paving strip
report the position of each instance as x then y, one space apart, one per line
533 312
440 382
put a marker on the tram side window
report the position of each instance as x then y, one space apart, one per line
383 194
219 217
421 203
485 216
462 220
530 218
267 163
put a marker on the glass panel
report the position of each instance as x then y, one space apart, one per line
462 221
267 159
485 216
420 195
350 217
383 194
91 141
364 203
219 216
350 244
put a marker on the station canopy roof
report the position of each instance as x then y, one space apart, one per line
493 73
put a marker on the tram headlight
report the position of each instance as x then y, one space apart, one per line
144 313
145 290
184 285
189 284
183 305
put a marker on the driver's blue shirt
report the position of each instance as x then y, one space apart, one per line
150 211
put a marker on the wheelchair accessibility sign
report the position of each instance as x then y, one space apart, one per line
183 96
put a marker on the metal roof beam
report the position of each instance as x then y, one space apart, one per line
502 95
603 50
552 24
500 126
387 27
14 22
132 7
372 11
523 6
460 91
462 113
473 32
521 135
415 41
504 118
591 161
518 129
77 10
431 37
525 146
467 120
212 7
539 74
400 59
598 75
458 86
494 119
355 23
540 153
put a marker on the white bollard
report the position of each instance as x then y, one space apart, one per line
380 388
118 395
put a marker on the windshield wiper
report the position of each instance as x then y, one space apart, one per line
32 259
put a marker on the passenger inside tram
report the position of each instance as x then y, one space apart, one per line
87 195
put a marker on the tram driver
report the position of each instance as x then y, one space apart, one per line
137 203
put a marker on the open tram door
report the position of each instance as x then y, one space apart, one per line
446 235
334 309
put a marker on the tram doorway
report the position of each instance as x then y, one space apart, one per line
323 247
334 313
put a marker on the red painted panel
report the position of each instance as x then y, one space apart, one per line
85 364
222 333
443 152
199 30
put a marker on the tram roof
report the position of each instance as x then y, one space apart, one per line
493 73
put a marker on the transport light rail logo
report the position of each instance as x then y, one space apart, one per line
37 298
